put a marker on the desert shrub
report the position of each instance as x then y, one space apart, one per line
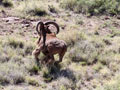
16 61
32 81
97 66
34 70
11 73
28 49
84 51
29 64
69 4
7 3
92 6
65 83
115 32
32 8
105 6
3 58
15 43
93 49
113 84
52 9
72 36
20 47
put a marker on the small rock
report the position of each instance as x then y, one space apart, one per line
25 22
27 25
106 18
10 19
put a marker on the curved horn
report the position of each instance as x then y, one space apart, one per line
55 24
41 27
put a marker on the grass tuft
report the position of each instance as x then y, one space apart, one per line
32 8
7 3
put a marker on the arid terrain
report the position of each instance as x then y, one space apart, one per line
92 35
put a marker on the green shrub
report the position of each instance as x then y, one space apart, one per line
62 87
92 7
32 81
34 70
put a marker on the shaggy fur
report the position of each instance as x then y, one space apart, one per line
50 45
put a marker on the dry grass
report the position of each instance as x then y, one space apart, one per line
91 62
72 36
28 8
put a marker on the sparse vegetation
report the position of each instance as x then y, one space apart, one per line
72 37
6 3
13 65
31 8
92 7
93 56
32 81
